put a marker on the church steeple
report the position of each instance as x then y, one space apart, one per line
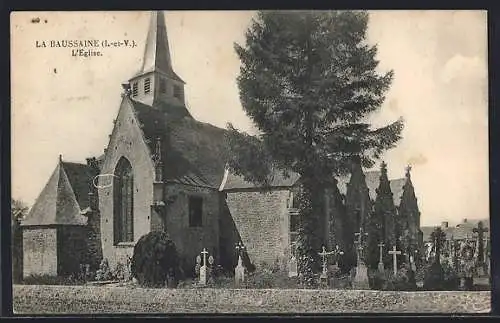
156 82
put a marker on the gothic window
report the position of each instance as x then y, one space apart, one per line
147 85
123 196
178 92
163 86
195 211
135 89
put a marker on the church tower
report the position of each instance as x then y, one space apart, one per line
156 84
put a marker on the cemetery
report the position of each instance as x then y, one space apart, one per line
450 277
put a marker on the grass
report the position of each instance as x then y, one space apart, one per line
93 300
51 280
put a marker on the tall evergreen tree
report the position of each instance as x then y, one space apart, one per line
358 207
438 238
308 79
384 214
409 216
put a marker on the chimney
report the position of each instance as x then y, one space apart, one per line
444 225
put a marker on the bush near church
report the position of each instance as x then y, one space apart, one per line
403 280
434 277
155 262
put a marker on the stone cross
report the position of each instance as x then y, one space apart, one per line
239 272
360 236
239 248
203 269
324 254
337 253
395 254
380 261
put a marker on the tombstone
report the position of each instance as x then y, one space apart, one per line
380 260
211 271
239 273
203 269
292 267
413 266
395 254
467 265
197 267
323 278
361 279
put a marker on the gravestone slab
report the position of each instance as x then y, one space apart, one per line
361 278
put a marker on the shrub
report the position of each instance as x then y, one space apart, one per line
451 280
434 277
155 261
376 279
104 272
403 280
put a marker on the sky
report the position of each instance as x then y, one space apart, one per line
66 105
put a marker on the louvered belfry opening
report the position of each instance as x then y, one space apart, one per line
123 195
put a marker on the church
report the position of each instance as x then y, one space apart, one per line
164 170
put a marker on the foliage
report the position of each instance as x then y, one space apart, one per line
308 80
403 280
358 209
52 280
384 213
434 277
438 237
377 279
18 212
408 214
155 260
104 272
451 280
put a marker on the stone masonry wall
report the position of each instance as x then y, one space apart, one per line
126 141
190 241
40 251
72 249
261 219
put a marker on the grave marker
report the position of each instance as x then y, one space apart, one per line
292 270
395 254
380 261
203 269
361 278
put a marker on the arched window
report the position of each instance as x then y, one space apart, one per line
123 196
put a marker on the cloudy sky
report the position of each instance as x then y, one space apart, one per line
65 105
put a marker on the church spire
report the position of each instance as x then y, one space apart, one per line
156 82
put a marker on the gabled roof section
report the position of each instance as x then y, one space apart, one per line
58 203
278 179
196 151
372 181
458 232
157 52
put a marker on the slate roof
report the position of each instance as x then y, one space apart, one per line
196 150
459 231
156 50
63 197
234 182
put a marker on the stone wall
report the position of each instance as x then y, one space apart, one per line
126 141
190 241
72 249
40 251
262 221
